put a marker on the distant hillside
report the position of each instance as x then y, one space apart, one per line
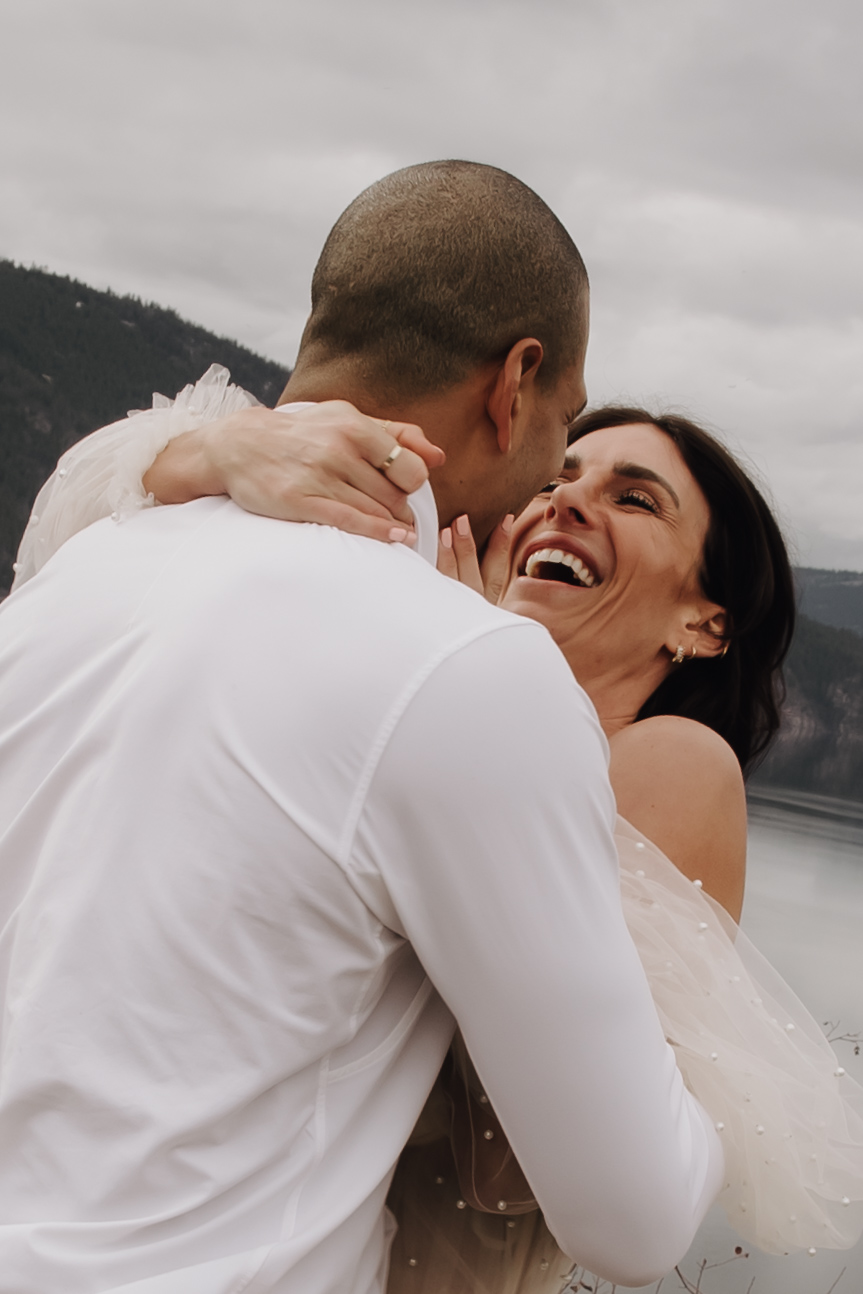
832 597
73 359
820 745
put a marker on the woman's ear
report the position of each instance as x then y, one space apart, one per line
701 632
512 382
711 633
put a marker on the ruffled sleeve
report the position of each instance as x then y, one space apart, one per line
101 476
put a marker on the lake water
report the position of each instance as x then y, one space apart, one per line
804 910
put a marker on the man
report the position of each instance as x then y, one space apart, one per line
278 803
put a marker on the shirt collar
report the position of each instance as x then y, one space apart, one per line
422 505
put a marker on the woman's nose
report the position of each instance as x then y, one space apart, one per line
567 501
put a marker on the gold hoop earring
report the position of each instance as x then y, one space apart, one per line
725 648
693 653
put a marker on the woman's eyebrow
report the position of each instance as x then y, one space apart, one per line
632 472
635 472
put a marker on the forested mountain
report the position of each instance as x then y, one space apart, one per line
73 359
820 745
833 597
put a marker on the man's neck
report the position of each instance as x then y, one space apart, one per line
332 380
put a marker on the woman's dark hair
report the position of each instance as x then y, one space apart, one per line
744 569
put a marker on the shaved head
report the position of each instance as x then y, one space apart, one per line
440 268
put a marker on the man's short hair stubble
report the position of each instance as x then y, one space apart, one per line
440 268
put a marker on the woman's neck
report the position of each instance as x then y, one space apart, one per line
617 692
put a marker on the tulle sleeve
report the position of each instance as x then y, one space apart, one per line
790 1118
101 476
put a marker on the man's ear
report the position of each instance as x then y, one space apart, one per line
703 628
513 381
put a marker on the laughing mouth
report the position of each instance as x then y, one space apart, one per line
556 564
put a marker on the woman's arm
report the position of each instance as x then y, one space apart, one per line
316 463
680 785
322 463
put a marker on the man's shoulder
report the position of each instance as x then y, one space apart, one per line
307 560
209 561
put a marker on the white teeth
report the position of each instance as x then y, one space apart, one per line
577 567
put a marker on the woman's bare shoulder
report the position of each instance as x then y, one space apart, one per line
679 746
680 784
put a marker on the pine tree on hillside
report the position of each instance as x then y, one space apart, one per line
820 745
73 359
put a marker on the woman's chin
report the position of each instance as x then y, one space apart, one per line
545 600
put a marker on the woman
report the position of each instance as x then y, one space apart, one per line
660 572
633 561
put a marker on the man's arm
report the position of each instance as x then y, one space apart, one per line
489 818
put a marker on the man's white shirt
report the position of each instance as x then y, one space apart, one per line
276 804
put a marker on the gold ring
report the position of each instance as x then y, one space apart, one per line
390 458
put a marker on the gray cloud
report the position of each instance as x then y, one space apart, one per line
705 157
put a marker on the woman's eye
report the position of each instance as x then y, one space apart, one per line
639 500
564 479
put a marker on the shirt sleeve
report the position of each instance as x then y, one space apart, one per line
489 822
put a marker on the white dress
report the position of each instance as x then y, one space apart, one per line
790 1118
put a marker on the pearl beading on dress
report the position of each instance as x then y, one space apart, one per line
784 1153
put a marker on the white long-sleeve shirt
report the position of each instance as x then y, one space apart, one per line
276 804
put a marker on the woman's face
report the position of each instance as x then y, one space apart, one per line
608 557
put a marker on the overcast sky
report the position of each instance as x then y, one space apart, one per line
706 155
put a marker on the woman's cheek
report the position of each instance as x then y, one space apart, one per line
529 519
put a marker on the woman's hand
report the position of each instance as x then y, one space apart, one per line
321 464
458 558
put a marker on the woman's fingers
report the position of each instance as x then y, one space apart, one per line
378 441
330 512
414 445
457 554
457 557
495 562
358 500
283 463
446 559
414 438
351 510
361 476
465 552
